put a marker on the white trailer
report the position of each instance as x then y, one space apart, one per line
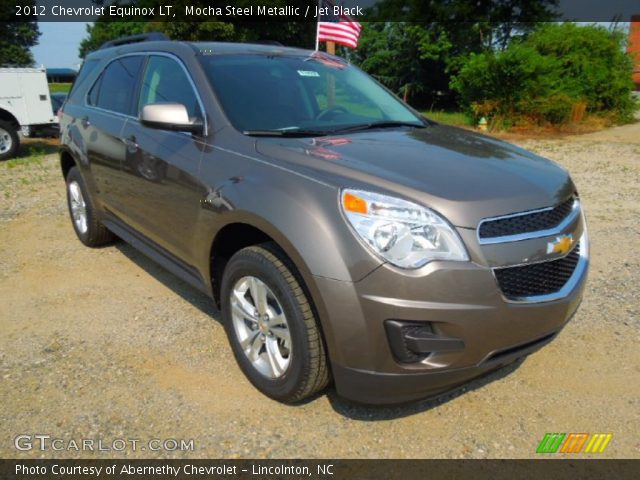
25 105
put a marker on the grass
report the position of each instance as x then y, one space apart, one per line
457 119
27 170
59 87
34 155
32 152
590 123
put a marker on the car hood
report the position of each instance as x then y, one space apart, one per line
463 175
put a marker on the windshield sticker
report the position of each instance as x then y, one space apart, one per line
308 73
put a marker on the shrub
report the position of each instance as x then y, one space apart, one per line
551 77
500 84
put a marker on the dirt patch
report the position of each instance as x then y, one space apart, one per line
104 344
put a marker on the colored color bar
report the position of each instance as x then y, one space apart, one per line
550 443
606 441
574 442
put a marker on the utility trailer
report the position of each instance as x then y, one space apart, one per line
25 106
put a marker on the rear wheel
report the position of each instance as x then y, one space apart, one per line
9 140
271 326
83 215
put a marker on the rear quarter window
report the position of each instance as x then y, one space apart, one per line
80 83
116 87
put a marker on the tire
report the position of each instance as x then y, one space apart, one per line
90 231
9 140
287 371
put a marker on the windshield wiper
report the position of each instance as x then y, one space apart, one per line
297 132
285 133
382 124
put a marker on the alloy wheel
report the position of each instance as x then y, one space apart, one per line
261 327
78 207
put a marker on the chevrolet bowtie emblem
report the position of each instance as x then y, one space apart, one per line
561 244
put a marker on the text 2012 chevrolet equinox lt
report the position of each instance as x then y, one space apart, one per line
343 236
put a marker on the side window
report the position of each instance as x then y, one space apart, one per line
165 81
116 86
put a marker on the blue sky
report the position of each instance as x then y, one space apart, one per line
59 42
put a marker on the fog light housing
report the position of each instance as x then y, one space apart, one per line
412 342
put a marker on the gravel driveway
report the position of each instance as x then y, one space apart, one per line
104 344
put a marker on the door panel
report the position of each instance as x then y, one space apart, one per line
161 191
101 132
110 101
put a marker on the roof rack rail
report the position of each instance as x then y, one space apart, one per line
143 37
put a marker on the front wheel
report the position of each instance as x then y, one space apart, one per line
271 326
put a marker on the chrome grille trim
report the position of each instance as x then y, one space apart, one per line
568 287
571 217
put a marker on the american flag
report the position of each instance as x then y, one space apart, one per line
340 29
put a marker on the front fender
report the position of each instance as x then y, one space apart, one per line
301 215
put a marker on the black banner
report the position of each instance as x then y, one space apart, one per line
240 11
317 469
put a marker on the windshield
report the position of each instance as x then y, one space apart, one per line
284 94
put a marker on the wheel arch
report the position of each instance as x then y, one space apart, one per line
8 116
240 233
67 162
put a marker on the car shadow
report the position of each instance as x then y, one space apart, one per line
375 413
189 293
344 407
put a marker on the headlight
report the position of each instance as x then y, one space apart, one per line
403 233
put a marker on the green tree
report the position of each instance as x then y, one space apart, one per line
428 47
16 38
404 57
471 25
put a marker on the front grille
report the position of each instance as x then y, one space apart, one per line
537 278
527 222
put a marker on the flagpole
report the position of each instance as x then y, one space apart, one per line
318 26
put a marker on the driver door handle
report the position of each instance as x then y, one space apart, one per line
130 143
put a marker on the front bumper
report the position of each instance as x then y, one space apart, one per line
377 388
457 300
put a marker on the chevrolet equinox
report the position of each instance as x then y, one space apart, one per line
343 236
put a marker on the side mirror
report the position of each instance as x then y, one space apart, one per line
170 116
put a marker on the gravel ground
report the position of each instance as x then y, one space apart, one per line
103 344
